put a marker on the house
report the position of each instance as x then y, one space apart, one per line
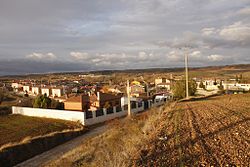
77 103
46 90
124 100
236 86
26 89
245 87
137 88
163 83
16 86
35 90
104 100
57 92
92 101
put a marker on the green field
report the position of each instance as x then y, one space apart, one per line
15 128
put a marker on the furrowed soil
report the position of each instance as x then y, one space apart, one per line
15 128
209 132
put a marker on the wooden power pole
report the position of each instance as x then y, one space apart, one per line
186 69
128 93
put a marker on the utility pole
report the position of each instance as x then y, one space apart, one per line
128 93
186 69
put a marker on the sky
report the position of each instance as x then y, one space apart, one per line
39 36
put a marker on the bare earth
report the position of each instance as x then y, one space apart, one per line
211 132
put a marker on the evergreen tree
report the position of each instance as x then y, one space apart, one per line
42 101
201 85
179 89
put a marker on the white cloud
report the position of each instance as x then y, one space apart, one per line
208 31
80 55
174 56
236 32
41 56
196 54
143 56
234 35
244 11
215 57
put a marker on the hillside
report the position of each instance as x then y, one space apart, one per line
226 69
208 132
202 133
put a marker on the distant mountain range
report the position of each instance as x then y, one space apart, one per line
236 68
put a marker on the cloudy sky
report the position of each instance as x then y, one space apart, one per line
81 35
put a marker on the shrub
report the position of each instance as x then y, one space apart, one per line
55 104
42 101
179 89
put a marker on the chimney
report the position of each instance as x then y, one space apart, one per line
171 76
98 96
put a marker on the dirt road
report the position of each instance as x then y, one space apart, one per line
60 150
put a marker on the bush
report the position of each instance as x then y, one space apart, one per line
25 102
55 104
201 85
179 89
42 101
3 96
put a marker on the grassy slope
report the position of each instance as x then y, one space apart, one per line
15 128
214 131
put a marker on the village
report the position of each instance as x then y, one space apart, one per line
91 103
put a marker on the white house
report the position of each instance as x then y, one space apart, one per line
245 87
163 83
57 92
16 85
233 86
35 90
26 89
124 100
46 90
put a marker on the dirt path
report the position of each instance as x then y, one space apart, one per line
60 150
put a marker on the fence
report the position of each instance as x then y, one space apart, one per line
86 118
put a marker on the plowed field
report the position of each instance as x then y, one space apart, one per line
209 132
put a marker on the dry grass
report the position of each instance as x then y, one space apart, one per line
17 128
117 146
204 132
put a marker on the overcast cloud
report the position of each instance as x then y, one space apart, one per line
61 35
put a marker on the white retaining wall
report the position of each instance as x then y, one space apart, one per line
50 113
76 115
